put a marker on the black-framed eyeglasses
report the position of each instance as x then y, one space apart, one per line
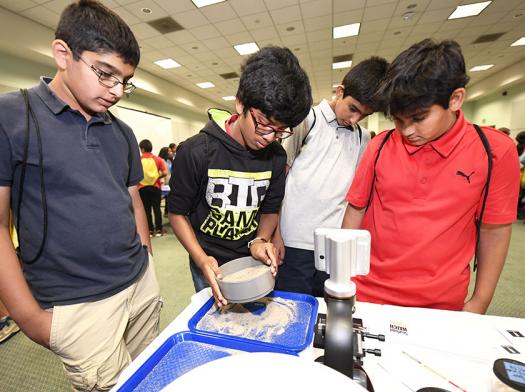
267 129
109 80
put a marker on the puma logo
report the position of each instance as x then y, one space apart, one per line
460 173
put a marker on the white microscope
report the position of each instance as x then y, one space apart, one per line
343 254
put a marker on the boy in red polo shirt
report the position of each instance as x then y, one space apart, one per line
424 185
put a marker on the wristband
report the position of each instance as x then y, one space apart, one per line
256 239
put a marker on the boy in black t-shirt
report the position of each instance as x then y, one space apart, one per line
228 182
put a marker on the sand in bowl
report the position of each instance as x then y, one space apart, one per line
245 274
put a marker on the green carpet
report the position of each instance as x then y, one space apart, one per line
27 367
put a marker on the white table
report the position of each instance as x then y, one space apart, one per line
458 345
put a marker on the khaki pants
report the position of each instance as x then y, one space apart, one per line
97 340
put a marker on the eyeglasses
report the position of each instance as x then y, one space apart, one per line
267 129
109 80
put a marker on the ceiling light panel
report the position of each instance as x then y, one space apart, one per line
248 48
478 68
342 64
167 63
519 42
349 30
204 3
229 98
463 11
205 85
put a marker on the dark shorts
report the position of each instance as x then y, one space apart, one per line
298 273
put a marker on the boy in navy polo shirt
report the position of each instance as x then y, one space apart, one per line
87 288
425 183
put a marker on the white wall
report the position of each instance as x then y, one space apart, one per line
502 110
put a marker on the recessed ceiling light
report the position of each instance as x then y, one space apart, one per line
346 30
167 63
463 11
205 85
204 3
146 10
229 98
248 48
481 67
519 42
408 15
342 64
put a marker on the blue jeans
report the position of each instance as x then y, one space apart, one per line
298 273
199 281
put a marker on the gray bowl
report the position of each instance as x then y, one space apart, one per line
254 282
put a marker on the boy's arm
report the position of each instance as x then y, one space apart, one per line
262 249
208 265
353 217
493 246
14 290
140 217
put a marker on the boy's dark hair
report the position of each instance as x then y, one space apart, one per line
425 74
89 25
146 145
163 153
362 81
273 82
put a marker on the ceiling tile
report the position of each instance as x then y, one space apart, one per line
259 20
348 17
247 7
320 35
174 7
191 19
218 12
374 26
294 40
345 5
18 5
230 26
285 15
239 38
205 32
181 37
316 8
318 23
159 42
290 28
43 16
264 34
217 43
128 17
379 12
275 4
143 30
156 11
439 15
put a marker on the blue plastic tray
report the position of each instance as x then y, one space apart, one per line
181 353
292 333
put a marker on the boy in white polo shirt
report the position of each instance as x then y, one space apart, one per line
322 156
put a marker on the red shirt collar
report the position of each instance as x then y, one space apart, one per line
446 143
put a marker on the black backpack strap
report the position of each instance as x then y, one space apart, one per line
360 133
478 220
307 133
30 114
119 127
375 164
